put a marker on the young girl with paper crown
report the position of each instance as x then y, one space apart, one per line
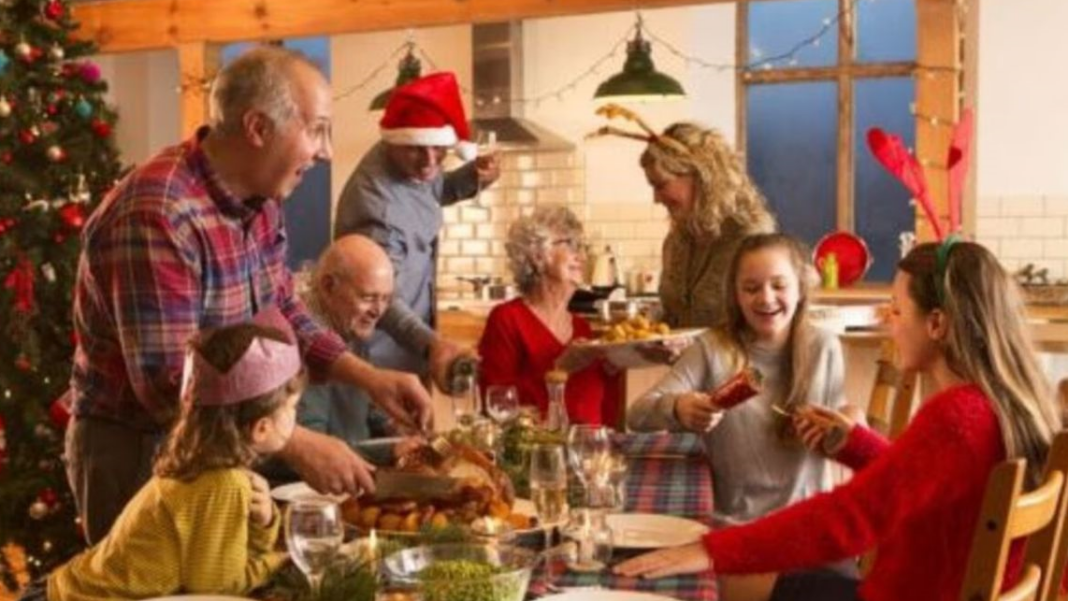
204 523
758 463
957 316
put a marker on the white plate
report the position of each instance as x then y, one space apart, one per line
627 353
287 493
606 595
651 531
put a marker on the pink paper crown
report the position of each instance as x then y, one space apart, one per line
266 365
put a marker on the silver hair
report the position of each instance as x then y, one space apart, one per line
260 79
528 241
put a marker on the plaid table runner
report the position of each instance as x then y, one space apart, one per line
668 486
645 444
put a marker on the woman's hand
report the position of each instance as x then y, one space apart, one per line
664 351
821 429
696 412
686 559
261 507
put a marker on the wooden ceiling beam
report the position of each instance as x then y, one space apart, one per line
129 25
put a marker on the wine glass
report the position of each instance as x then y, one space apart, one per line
589 449
502 403
313 534
548 490
466 405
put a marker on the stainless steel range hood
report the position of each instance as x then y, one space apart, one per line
497 52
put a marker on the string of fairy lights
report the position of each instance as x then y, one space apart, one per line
785 59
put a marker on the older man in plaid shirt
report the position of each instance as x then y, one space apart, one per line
194 238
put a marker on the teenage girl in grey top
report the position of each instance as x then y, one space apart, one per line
758 464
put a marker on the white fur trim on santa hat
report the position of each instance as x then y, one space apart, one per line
420 136
467 151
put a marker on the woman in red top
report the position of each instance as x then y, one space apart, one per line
526 337
957 316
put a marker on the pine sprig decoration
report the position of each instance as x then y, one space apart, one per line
57 160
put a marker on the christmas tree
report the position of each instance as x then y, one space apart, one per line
57 158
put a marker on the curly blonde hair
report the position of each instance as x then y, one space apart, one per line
722 191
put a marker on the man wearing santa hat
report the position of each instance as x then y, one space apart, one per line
395 197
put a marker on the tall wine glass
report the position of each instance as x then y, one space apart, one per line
589 449
313 534
548 490
502 403
466 405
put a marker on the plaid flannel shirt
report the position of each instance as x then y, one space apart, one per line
168 252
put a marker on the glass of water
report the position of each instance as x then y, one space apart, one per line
314 532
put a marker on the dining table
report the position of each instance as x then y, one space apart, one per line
668 475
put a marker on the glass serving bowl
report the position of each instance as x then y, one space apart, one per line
459 562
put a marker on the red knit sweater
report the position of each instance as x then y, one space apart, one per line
517 349
917 500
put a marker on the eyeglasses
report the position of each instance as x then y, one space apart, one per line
572 244
320 130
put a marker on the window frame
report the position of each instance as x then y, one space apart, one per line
844 73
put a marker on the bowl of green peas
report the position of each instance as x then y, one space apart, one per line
464 571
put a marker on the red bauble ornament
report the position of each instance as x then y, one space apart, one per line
23 363
101 128
48 497
28 136
59 412
73 215
51 109
54 9
7 157
59 238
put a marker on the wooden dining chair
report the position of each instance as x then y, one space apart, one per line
893 395
1008 514
890 406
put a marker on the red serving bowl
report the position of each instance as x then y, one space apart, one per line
852 252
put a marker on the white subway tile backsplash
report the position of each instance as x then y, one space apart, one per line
1001 227
652 230
460 231
532 179
557 160
1022 249
490 231
474 248
1056 206
1023 206
470 214
1055 249
522 197
451 215
460 265
448 248
1042 227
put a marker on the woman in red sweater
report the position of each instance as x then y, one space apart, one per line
956 316
526 337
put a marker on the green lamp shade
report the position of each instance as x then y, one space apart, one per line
409 68
639 79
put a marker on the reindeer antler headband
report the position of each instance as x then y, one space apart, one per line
650 136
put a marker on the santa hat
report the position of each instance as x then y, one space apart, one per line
428 112
266 365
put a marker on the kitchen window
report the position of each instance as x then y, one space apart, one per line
805 108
